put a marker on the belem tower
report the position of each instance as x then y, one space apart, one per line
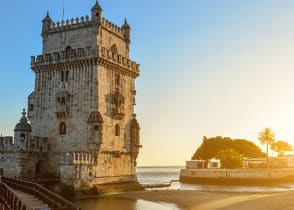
80 126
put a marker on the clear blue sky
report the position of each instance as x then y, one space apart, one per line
208 67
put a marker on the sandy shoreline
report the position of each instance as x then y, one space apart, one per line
200 200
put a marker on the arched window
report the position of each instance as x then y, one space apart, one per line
62 128
117 79
22 137
66 75
113 49
62 100
67 51
62 76
117 130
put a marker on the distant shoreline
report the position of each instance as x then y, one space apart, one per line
252 177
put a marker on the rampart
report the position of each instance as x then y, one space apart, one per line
75 23
84 53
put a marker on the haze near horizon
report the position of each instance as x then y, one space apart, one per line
208 68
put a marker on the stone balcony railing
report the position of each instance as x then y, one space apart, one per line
84 53
78 158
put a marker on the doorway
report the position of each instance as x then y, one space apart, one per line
38 168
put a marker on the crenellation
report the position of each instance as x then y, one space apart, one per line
112 27
68 24
83 53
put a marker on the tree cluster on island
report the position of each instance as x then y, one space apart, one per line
232 151
267 137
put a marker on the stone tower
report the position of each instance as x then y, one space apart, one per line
83 101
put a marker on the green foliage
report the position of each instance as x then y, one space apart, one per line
230 158
280 147
247 148
267 137
210 147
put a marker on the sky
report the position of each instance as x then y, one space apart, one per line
208 67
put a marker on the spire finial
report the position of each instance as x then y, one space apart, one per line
96 6
47 17
126 25
23 112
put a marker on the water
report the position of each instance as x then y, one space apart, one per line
117 203
146 175
158 175
161 175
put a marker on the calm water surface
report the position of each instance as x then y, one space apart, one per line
115 203
159 175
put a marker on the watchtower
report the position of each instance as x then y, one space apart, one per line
84 98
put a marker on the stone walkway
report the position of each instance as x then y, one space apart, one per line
31 201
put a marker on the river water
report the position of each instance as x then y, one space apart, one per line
159 175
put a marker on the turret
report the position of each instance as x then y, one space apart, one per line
46 23
22 133
127 32
135 136
96 13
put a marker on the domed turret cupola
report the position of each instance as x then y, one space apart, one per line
96 13
23 124
46 23
127 32
22 133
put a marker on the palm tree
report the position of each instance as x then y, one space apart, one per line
267 137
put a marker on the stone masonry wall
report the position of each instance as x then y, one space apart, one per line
84 69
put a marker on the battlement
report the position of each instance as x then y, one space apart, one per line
84 53
78 158
112 27
6 143
69 24
6 140
83 21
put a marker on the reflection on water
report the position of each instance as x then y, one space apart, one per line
109 203
159 175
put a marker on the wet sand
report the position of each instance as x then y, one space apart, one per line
199 200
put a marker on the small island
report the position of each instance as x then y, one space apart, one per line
222 160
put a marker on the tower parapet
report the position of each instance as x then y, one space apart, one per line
112 27
103 54
69 24
80 22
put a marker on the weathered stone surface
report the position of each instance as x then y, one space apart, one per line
83 102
